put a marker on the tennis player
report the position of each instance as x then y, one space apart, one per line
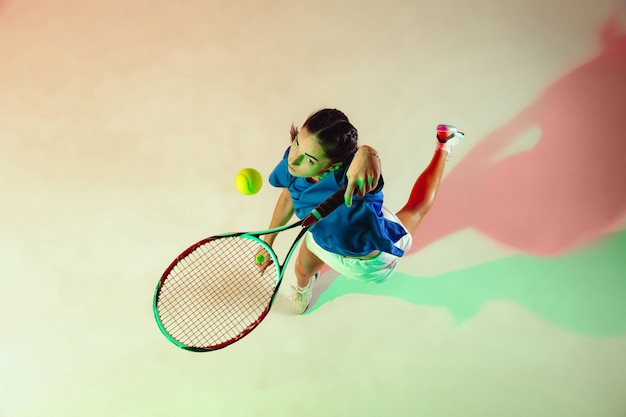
361 239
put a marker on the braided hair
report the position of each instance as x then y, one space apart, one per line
335 133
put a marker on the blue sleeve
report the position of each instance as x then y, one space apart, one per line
348 231
280 176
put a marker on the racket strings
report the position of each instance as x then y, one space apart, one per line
215 293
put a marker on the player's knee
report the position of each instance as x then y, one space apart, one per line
307 266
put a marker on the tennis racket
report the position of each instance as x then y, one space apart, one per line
215 292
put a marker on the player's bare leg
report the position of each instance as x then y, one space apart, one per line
425 189
307 270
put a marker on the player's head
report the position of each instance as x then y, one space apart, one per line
335 134
326 142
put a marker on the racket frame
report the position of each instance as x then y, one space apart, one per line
317 214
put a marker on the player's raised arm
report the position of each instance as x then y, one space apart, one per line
363 173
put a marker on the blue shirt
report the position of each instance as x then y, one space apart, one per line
348 231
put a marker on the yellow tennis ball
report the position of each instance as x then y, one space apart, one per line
248 181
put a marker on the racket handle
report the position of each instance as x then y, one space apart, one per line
325 208
330 204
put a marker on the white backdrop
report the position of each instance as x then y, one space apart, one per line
122 126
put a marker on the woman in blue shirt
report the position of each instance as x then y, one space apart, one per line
360 239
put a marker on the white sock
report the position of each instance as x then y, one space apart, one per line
306 287
447 147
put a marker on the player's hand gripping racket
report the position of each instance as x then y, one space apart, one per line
215 292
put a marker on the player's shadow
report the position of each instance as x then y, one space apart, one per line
569 188
326 279
581 291
550 180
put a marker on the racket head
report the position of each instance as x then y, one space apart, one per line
214 293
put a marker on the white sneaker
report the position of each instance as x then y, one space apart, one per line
301 297
448 137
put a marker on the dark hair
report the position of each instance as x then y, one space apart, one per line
335 133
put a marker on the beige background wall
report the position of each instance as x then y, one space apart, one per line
123 123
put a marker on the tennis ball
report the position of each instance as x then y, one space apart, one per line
248 181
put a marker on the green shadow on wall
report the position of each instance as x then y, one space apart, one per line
583 291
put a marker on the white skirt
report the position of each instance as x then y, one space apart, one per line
377 269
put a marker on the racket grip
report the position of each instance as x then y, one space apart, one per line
325 208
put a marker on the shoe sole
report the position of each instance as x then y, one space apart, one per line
454 133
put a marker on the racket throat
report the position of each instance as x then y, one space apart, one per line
312 218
